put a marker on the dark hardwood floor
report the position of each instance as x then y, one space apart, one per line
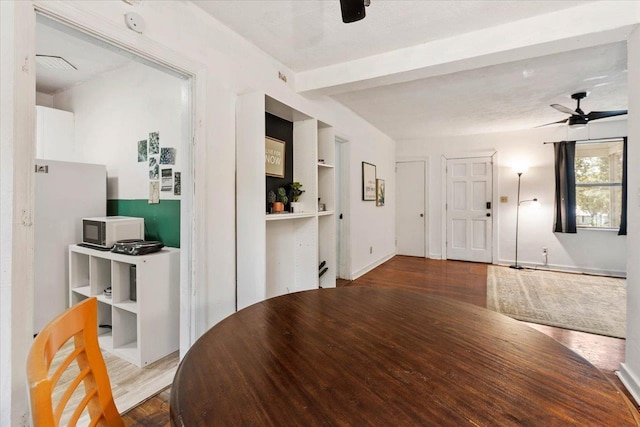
462 281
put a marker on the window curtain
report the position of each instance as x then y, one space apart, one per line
565 199
623 218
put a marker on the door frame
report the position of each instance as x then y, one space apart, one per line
427 200
493 154
193 208
343 169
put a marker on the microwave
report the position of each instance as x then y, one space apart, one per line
104 232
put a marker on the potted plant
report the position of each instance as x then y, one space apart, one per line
271 199
295 191
281 200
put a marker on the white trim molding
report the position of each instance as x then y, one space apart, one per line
563 268
630 381
371 266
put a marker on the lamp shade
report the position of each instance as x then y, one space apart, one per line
519 166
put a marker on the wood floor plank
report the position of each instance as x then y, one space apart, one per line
462 281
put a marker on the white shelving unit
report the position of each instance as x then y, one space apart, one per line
280 253
140 331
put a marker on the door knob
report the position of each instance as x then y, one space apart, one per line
488 214
421 215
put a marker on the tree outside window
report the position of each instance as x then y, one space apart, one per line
598 170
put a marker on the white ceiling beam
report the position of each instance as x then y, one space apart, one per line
578 27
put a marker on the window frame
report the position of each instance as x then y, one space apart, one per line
599 184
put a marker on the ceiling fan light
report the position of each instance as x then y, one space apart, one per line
578 121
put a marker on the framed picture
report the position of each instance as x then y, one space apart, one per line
274 157
379 192
368 181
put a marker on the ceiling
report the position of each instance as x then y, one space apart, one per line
90 57
308 35
499 98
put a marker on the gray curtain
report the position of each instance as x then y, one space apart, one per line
565 200
623 219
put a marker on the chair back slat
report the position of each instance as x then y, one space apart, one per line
80 323
64 365
71 388
81 407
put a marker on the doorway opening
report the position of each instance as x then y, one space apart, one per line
133 116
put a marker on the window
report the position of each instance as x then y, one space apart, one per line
598 169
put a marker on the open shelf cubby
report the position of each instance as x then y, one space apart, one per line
139 321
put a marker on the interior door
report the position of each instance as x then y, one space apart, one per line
410 208
469 214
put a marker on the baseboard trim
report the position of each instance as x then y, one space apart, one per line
370 267
435 256
566 268
630 381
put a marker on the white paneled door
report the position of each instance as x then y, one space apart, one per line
410 208
469 213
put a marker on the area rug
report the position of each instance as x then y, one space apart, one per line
594 304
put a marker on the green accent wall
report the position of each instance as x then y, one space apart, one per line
161 220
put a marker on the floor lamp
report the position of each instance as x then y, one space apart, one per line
519 171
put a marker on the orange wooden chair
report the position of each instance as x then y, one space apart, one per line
79 322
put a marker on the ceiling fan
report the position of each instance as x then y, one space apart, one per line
579 117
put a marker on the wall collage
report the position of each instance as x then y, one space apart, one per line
160 178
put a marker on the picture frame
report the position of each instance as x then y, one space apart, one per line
368 181
380 192
274 160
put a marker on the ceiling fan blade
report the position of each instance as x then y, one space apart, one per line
594 115
564 109
553 123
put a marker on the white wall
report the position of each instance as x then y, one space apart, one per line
593 251
115 111
44 99
372 227
630 370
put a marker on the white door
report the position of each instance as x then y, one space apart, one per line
469 213
410 208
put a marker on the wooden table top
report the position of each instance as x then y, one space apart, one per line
364 356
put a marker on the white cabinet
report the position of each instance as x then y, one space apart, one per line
281 253
55 132
140 321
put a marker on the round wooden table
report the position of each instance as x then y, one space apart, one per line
364 356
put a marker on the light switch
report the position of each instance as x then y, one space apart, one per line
504 199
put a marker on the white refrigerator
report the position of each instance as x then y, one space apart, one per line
65 192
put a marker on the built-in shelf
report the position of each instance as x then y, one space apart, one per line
280 253
140 331
285 216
